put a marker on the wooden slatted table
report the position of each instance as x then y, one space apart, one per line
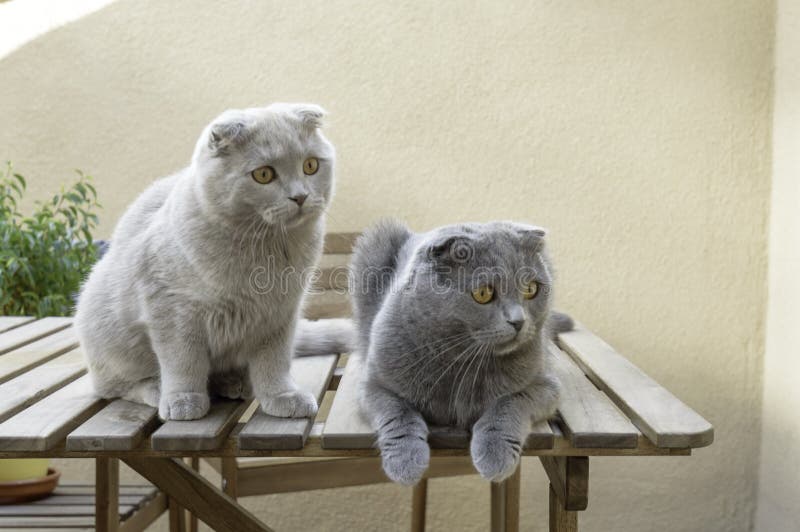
609 408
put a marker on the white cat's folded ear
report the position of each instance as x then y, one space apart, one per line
310 115
229 128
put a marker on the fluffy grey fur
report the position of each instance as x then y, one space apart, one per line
434 355
203 282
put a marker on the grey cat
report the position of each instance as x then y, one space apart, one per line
203 281
453 324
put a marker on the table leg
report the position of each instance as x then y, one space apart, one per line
194 462
418 503
512 500
197 494
177 516
230 476
498 506
106 494
561 520
569 490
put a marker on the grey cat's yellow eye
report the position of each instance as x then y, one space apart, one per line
529 290
263 175
310 166
483 295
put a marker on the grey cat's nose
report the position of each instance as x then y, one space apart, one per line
517 324
299 199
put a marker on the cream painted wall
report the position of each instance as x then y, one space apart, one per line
779 479
637 131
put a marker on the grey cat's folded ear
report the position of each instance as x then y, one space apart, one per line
311 115
227 130
451 249
531 237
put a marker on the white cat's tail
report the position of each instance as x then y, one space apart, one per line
323 337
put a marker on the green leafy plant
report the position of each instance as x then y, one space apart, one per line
45 256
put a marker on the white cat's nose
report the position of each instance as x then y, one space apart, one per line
299 199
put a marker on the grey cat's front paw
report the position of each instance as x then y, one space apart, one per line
183 406
495 454
294 403
405 459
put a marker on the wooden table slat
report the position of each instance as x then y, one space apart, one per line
120 426
21 392
263 431
200 434
25 334
44 425
29 510
346 426
28 356
327 304
590 417
12 322
662 417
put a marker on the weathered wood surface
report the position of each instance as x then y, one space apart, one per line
346 426
200 434
25 334
332 272
10 322
327 304
589 416
107 510
120 426
21 392
195 493
45 424
263 431
661 416
27 357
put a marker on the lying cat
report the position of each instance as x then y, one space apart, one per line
201 286
453 324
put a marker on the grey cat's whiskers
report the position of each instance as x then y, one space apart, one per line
443 348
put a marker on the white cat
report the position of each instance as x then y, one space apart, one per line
201 285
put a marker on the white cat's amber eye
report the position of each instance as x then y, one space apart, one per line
310 166
483 295
529 290
263 175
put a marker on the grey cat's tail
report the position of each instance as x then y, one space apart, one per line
373 270
559 322
323 337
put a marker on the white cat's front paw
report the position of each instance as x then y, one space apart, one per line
495 454
294 403
405 459
183 406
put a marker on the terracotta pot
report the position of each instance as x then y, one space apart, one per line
26 489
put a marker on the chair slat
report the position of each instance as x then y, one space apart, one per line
11 322
263 431
21 392
120 426
30 332
327 304
346 426
200 434
662 417
332 272
591 419
28 356
33 510
43 425
340 243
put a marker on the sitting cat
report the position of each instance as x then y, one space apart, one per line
201 287
453 324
